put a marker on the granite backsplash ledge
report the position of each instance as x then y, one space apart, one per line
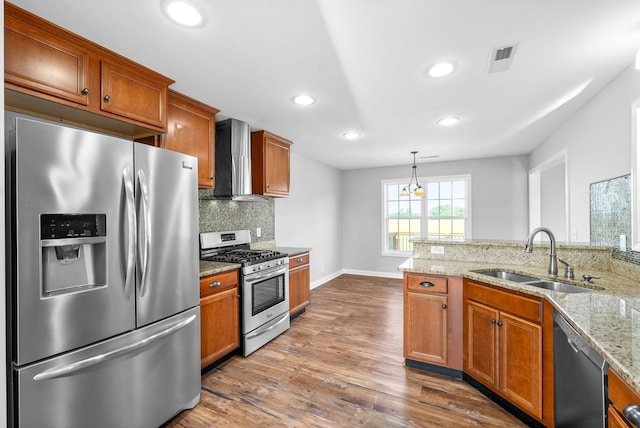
219 215
499 253
512 253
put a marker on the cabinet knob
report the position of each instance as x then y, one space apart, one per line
444 306
427 284
632 412
214 284
493 321
85 91
238 296
107 98
499 323
299 259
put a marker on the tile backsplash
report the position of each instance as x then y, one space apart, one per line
610 216
610 210
217 215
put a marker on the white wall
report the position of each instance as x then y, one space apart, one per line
598 140
552 196
311 216
499 206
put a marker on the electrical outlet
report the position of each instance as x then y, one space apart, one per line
623 242
437 249
258 232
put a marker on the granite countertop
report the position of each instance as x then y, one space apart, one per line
212 268
293 251
608 318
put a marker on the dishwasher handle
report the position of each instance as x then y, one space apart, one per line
632 413
578 343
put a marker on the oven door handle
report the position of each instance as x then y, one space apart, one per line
271 327
269 274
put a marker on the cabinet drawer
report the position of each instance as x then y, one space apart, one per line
426 284
299 260
526 307
620 394
215 283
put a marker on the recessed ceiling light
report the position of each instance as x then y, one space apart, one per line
303 100
441 69
351 135
183 12
448 121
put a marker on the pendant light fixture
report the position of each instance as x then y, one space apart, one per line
419 191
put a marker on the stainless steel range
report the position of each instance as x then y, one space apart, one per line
264 284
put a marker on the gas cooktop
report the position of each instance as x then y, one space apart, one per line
246 257
233 247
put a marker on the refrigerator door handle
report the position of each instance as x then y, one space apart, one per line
144 196
70 369
127 178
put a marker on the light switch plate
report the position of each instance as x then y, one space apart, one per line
258 232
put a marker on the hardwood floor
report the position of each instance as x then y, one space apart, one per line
340 364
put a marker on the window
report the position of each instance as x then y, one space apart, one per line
403 218
443 214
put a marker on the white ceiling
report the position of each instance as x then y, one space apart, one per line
365 61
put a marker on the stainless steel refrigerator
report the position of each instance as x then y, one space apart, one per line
102 259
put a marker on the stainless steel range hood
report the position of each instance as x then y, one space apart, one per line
233 162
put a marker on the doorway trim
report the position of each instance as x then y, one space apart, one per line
535 192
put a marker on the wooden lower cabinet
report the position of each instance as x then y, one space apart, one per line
219 316
299 284
621 395
508 347
433 320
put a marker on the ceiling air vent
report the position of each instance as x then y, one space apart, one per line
501 58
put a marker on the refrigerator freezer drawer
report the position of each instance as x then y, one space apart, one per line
139 379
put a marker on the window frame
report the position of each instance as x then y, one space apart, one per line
425 181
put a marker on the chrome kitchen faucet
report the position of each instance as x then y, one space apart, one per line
553 257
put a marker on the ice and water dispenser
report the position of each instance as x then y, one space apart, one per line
74 252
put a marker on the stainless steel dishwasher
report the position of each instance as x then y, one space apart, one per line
580 379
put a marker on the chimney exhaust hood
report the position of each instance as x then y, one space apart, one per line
233 162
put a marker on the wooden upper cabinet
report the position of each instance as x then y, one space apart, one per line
270 164
133 95
44 63
52 72
191 130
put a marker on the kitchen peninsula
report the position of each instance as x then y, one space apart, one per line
605 317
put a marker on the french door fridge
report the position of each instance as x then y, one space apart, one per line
102 259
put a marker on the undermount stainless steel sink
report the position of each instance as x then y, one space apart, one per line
559 286
509 276
535 282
